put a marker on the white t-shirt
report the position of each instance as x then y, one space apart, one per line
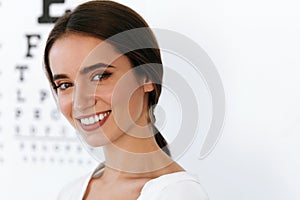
174 186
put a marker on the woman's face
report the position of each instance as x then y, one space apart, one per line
97 90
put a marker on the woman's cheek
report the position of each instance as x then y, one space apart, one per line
65 106
104 95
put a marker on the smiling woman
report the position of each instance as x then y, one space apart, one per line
104 65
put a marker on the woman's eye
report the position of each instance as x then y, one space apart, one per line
100 77
63 86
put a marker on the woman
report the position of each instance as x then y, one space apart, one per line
105 69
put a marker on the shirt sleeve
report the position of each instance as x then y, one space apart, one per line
183 190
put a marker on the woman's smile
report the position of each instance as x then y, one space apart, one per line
94 121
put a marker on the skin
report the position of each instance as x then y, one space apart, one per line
83 93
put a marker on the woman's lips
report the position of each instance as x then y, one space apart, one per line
92 122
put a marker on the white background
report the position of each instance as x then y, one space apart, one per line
255 46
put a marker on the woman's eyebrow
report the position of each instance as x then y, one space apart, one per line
95 66
59 76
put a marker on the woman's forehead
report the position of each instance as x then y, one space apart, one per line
80 50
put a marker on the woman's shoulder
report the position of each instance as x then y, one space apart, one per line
175 186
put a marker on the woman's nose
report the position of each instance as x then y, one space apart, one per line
84 97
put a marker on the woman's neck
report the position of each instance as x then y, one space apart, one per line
135 156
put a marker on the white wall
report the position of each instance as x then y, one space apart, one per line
254 46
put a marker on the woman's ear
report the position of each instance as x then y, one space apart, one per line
148 85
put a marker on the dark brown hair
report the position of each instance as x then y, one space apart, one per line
105 19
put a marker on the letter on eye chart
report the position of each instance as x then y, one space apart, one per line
46 18
30 45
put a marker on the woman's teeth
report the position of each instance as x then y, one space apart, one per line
94 119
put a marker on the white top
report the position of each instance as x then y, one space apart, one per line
175 186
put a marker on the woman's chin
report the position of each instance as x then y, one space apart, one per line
96 140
